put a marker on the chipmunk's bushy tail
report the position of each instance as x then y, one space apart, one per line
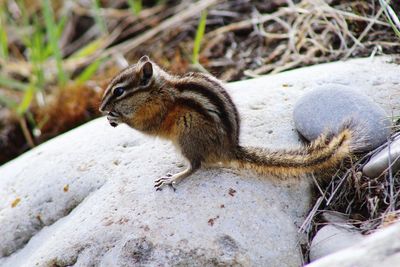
324 153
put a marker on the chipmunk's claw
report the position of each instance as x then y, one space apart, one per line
165 180
113 119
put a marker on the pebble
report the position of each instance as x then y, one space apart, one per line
328 107
332 238
380 162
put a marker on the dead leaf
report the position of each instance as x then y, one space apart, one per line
15 202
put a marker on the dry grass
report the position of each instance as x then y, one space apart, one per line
354 199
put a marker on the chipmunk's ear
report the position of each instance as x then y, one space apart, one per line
146 72
144 59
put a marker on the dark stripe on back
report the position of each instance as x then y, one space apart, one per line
227 97
212 97
194 105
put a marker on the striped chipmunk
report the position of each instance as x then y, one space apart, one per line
196 113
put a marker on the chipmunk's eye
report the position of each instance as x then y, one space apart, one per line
118 91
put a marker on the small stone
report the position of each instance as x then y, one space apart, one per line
66 188
380 162
232 192
329 107
332 238
378 249
15 202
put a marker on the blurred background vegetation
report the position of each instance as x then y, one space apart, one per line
56 56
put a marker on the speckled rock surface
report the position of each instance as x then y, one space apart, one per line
389 156
327 108
87 197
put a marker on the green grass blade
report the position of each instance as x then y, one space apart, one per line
136 6
89 48
98 18
31 120
51 28
61 24
90 71
3 35
26 100
12 84
39 52
199 37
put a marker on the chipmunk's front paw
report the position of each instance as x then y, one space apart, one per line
113 119
165 180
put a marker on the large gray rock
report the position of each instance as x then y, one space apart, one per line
87 197
328 108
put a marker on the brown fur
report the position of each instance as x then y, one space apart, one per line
320 155
198 116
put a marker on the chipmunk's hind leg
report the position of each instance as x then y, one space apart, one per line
172 180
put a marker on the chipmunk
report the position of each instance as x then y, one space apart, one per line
196 113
